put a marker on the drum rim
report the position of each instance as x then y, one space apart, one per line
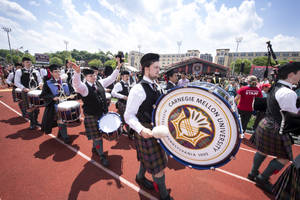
201 167
114 113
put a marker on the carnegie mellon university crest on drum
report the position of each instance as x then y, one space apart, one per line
204 131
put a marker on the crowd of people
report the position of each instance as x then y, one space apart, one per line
137 92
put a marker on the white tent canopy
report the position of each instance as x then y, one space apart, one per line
130 68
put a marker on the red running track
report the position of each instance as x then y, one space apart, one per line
38 166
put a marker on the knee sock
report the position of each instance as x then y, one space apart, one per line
274 167
142 171
257 161
161 186
98 144
63 130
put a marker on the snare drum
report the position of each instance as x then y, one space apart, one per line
204 129
110 125
69 111
34 98
18 94
108 98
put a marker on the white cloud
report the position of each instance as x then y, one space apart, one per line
34 3
55 14
156 26
13 9
269 4
52 25
47 1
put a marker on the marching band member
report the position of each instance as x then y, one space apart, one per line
10 82
121 91
26 79
172 79
52 90
94 103
138 116
267 139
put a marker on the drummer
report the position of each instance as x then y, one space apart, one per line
10 82
268 141
121 91
138 116
52 92
94 103
28 79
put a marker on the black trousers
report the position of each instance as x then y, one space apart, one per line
245 118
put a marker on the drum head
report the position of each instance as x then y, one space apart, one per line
204 131
109 122
18 90
68 105
34 92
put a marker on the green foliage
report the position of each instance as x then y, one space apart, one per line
95 63
111 63
28 55
238 63
56 60
16 59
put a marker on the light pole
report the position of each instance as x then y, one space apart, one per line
66 43
139 63
238 40
7 30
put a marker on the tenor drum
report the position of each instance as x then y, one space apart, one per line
110 125
18 94
204 129
34 98
68 111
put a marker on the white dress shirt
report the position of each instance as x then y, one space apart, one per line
18 75
10 78
43 72
286 98
184 82
82 89
136 97
118 88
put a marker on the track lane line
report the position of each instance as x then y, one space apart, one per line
108 171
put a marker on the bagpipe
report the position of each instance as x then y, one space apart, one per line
290 123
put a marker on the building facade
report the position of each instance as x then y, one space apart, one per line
165 59
199 66
207 57
225 57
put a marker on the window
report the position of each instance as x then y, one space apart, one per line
243 54
250 54
221 60
285 54
295 54
258 54
235 54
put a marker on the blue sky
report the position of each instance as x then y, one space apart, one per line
43 25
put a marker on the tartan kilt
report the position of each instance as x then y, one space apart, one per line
150 153
287 187
25 102
268 140
91 127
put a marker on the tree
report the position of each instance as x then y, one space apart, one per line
111 63
238 64
16 59
95 63
28 55
56 61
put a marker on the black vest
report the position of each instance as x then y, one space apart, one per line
144 114
25 78
125 91
95 102
273 108
170 85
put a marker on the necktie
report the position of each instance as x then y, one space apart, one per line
154 86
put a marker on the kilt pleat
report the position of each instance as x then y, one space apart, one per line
287 187
91 127
269 141
150 154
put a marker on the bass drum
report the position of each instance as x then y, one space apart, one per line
204 128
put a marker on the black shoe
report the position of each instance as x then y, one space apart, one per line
32 126
104 161
264 184
252 176
145 183
167 198
67 140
